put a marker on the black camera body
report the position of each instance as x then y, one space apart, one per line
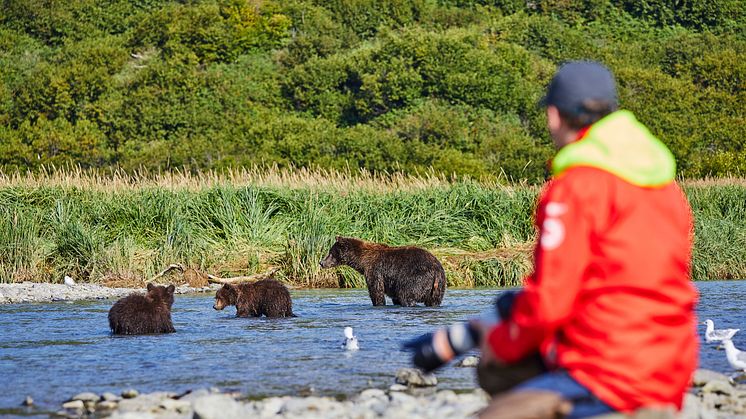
435 349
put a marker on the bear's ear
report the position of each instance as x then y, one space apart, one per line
339 239
150 286
171 288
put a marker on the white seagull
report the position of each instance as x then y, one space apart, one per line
712 335
69 281
736 358
350 342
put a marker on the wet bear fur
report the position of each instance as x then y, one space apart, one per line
141 314
267 297
408 274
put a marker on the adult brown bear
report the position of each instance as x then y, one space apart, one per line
266 297
408 274
139 314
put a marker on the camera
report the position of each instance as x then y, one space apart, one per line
435 349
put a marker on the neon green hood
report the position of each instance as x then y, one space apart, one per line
622 146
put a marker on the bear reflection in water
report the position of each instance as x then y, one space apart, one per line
267 297
408 274
140 314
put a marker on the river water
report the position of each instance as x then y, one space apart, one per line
50 351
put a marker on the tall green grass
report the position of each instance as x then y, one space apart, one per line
720 229
104 228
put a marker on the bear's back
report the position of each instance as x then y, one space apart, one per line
268 297
410 274
137 314
409 255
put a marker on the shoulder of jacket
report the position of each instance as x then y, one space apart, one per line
582 178
582 184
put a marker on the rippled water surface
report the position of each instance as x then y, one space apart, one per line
51 351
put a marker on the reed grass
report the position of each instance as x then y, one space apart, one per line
114 226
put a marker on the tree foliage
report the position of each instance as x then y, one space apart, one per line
398 85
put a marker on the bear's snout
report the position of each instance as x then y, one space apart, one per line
327 262
218 305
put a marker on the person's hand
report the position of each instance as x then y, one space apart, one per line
505 302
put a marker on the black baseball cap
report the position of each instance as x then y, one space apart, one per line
577 81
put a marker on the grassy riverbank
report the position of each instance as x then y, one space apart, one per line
111 227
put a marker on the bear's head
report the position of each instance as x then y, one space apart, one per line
161 293
343 251
226 296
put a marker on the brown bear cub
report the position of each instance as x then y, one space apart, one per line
253 299
408 275
140 314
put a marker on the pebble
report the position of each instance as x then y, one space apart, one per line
415 377
130 393
401 398
110 397
145 402
107 405
373 393
86 397
718 387
74 405
196 394
703 376
271 406
469 361
218 406
180 406
446 396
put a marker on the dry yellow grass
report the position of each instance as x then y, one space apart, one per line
293 178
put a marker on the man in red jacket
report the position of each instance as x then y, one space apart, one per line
606 320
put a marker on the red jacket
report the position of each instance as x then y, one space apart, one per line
610 299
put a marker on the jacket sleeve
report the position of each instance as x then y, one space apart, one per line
561 256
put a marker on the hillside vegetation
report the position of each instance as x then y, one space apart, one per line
410 86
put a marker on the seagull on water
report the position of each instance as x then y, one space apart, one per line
350 342
736 358
712 335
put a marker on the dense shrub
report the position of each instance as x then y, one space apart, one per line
212 31
720 14
366 17
399 85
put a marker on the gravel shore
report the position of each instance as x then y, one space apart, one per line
714 396
210 403
31 292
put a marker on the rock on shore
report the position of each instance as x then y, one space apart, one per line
31 292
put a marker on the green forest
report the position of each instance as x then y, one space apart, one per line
411 86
